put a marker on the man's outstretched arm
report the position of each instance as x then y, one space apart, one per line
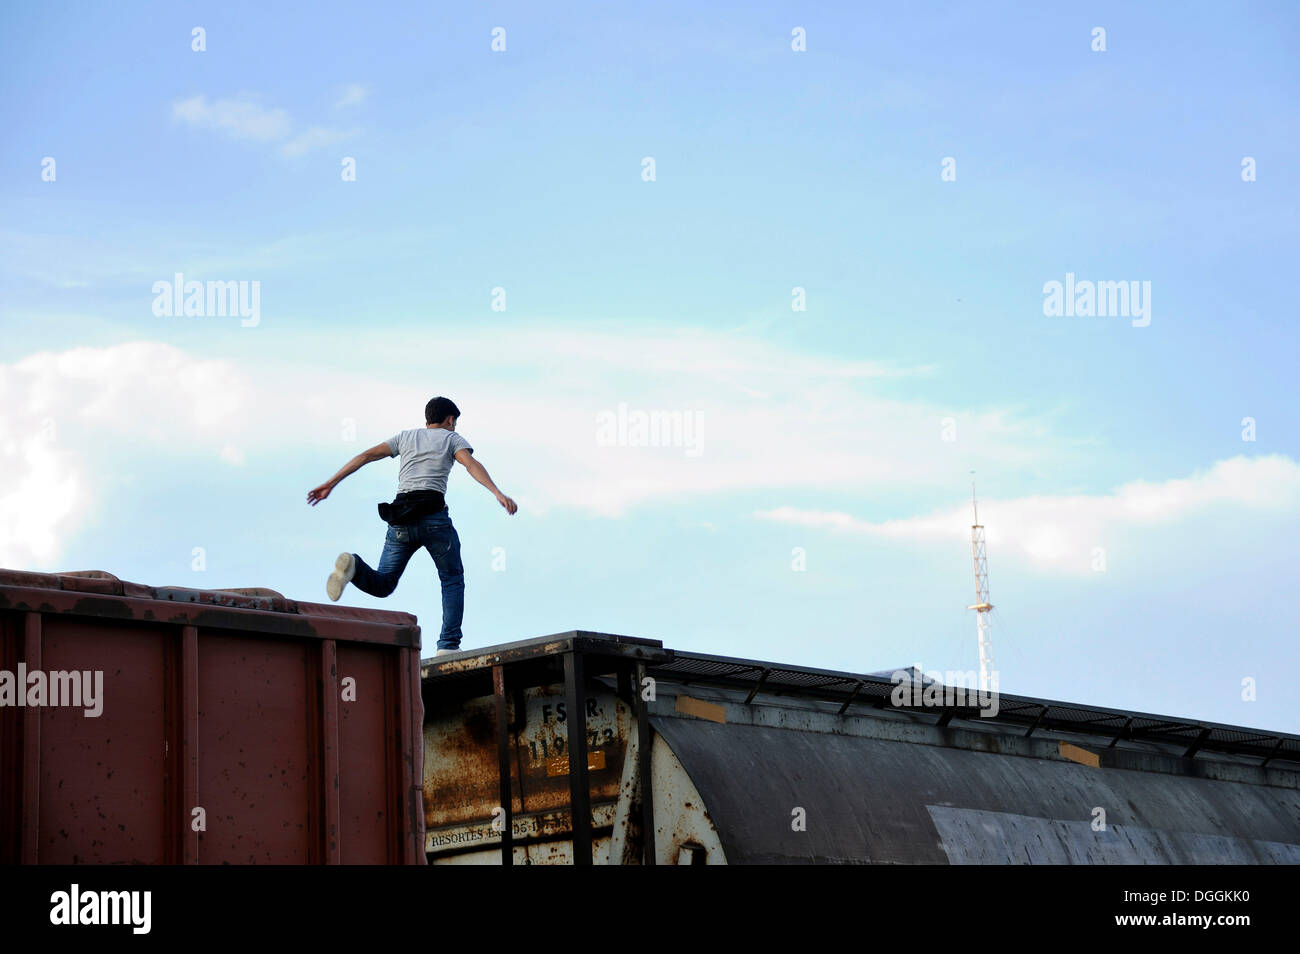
378 452
479 473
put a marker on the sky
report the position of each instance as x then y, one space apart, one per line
819 244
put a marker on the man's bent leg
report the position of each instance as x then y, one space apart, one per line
398 546
444 546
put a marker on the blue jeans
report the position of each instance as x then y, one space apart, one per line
436 534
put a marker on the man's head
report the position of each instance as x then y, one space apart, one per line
442 412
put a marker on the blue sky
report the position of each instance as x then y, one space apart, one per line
128 439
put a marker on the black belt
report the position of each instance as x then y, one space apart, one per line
412 505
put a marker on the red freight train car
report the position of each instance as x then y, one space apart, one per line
179 725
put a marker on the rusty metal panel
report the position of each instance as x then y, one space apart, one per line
366 811
461 770
228 702
534 853
460 828
256 727
11 746
102 777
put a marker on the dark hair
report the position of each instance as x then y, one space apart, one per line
438 409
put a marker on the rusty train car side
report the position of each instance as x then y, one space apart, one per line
698 759
235 726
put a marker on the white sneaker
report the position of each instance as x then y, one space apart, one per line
344 568
446 652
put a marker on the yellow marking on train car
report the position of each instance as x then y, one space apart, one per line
701 709
560 764
1082 756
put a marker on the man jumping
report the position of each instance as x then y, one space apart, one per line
418 516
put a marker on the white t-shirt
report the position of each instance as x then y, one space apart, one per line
428 454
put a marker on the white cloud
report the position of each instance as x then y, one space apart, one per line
242 118
42 495
245 118
1059 533
145 388
353 94
768 419
73 417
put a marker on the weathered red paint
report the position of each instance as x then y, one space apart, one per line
229 702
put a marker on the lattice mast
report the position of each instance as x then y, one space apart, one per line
982 606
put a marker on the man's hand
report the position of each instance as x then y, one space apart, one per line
378 452
317 494
479 473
